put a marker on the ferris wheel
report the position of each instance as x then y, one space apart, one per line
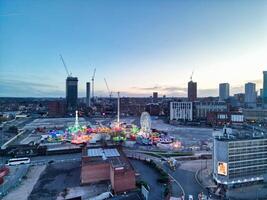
145 122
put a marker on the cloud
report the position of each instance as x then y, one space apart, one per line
147 88
23 88
207 92
161 88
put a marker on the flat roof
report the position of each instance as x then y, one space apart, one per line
95 152
110 154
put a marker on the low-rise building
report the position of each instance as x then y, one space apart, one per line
56 108
201 109
221 118
107 164
255 115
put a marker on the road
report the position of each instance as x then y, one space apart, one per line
187 180
54 158
150 176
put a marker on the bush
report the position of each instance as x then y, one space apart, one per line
163 179
166 191
140 183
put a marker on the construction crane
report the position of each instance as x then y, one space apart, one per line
191 77
118 114
109 92
67 71
93 84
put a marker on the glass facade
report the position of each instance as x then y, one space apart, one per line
71 93
247 158
265 89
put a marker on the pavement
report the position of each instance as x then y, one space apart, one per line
204 175
187 135
257 192
24 189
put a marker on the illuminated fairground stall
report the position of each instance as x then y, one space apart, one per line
78 134
119 132
146 135
75 134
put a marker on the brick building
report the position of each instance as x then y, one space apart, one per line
107 164
56 108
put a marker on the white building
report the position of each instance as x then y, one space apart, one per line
250 95
181 111
224 91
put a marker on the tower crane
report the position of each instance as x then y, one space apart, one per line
93 84
109 92
191 77
67 71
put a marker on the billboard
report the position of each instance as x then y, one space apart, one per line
222 168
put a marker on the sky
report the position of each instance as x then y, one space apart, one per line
138 46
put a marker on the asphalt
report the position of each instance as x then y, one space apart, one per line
150 176
55 179
187 180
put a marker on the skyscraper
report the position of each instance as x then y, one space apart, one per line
155 95
192 91
71 93
224 91
88 91
250 95
264 103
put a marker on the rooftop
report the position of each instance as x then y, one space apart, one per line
110 154
228 134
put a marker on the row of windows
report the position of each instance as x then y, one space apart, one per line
248 173
247 150
247 163
247 157
247 143
248 169
247 147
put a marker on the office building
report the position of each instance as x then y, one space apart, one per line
224 91
88 94
71 93
261 93
201 109
222 118
155 95
192 91
250 95
255 114
181 111
240 97
239 157
264 103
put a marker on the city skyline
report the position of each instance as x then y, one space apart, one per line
139 47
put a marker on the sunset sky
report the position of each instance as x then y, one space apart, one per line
138 46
